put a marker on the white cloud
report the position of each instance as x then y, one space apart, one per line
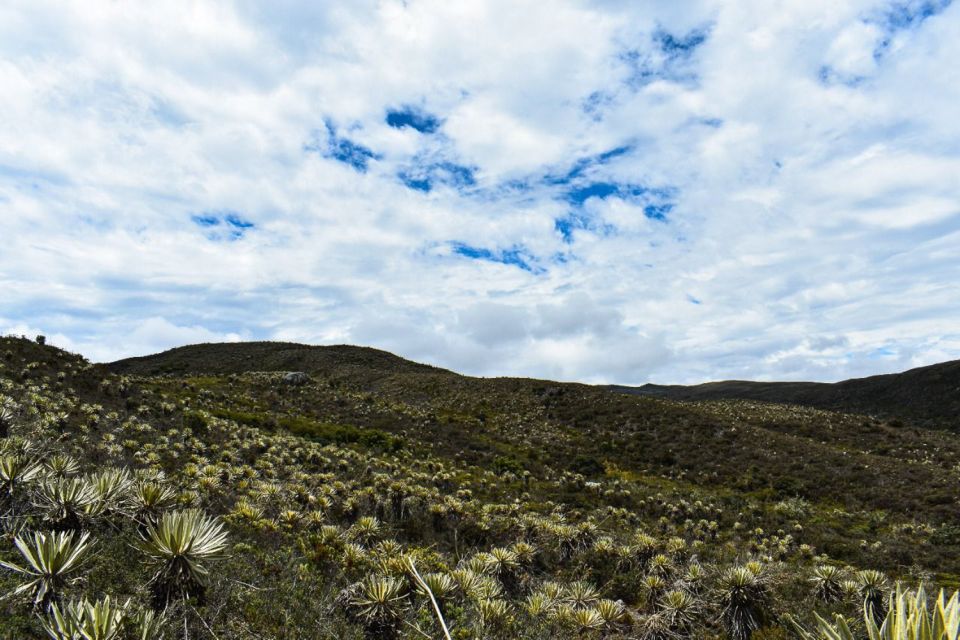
851 52
814 221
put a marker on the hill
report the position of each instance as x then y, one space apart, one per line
927 396
533 509
227 358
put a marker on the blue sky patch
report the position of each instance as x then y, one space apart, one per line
414 118
428 176
235 221
233 225
906 15
205 220
669 59
680 46
581 165
601 190
830 76
579 221
514 256
658 211
882 352
595 104
577 196
568 224
417 184
901 16
658 205
342 149
643 70
167 113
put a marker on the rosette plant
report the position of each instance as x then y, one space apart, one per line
178 547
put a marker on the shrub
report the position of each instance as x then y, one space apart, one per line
51 561
177 546
909 617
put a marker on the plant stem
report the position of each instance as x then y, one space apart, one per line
436 607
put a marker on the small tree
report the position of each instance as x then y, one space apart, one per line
746 601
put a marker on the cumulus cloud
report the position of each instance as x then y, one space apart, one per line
597 191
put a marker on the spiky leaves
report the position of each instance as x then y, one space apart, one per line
492 614
539 605
67 503
15 471
51 560
612 612
84 620
61 466
679 610
581 621
504 565
378 604
909 617
441 585
745 600
178 546
581 595
435 586
873 586
110 488
365 530
476 586
148 500
146 624
6 420
827 583
101 620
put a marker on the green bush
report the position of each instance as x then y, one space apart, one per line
330 433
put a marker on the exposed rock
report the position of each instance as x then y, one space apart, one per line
296 378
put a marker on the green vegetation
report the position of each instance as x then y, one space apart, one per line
910 616
196 494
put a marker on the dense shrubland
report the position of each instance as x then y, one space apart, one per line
413 505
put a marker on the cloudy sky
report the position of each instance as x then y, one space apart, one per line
609 191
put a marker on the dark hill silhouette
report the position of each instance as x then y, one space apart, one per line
928 396
239 357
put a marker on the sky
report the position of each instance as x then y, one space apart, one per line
609 192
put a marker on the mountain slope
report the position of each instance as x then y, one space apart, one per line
229 358
927 396
513 489
535 424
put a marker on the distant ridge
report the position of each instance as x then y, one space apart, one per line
928 396
238 357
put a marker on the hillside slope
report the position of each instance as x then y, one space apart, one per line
535 508
927 396
227 358
536 424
